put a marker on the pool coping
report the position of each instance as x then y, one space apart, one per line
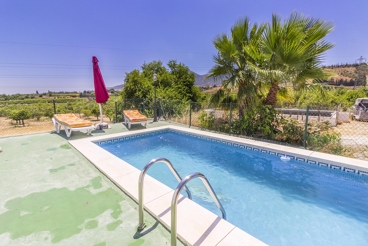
206 228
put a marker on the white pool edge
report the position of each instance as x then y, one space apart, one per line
205 227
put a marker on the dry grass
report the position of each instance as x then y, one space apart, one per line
185 119
212 90
8 127
215 89
341 73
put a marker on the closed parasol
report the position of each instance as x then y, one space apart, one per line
101 93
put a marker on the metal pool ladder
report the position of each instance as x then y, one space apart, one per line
174 201
141 224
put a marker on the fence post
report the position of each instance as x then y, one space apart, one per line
319 113
162 109
337 113
190 113
230 117
54 106
306 128
116 111
158 108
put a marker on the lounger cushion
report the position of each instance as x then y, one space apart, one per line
71 120
134 116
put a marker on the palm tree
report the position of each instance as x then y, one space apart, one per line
235 53
293 52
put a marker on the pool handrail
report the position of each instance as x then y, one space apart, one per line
174 201
141 224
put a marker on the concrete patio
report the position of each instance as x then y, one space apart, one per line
51 194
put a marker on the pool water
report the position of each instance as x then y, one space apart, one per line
280 203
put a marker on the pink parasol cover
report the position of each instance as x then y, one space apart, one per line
102 95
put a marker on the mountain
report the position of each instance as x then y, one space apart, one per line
116 87
339 75
201 81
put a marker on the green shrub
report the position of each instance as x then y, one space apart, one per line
210 122
109 111
95 112
258 121
86 112
206 120
48 112
291 131
325 142
20 115
4 112
36 113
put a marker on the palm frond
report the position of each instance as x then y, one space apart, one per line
217 96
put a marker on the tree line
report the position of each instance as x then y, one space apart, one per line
174 82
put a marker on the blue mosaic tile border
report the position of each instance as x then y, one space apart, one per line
128 137
241 146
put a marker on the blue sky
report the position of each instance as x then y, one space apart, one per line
48 45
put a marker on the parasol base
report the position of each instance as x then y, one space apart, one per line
102 125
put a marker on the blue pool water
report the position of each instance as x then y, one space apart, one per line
280 203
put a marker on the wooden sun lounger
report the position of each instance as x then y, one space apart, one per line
132 117
71 122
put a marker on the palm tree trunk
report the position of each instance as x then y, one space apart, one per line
241 103
241 110
271 98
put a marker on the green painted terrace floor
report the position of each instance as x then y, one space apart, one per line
51 194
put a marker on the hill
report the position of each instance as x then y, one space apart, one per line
347 75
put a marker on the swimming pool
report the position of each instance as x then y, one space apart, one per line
277 202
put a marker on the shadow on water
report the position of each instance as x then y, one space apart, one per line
60 211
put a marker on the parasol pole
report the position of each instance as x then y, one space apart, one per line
100 113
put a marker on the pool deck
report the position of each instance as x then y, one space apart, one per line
51 194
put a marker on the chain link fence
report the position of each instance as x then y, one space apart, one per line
20 117
325 129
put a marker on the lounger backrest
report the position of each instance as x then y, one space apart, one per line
134 115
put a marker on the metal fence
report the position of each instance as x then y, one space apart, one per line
32 116
329 130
